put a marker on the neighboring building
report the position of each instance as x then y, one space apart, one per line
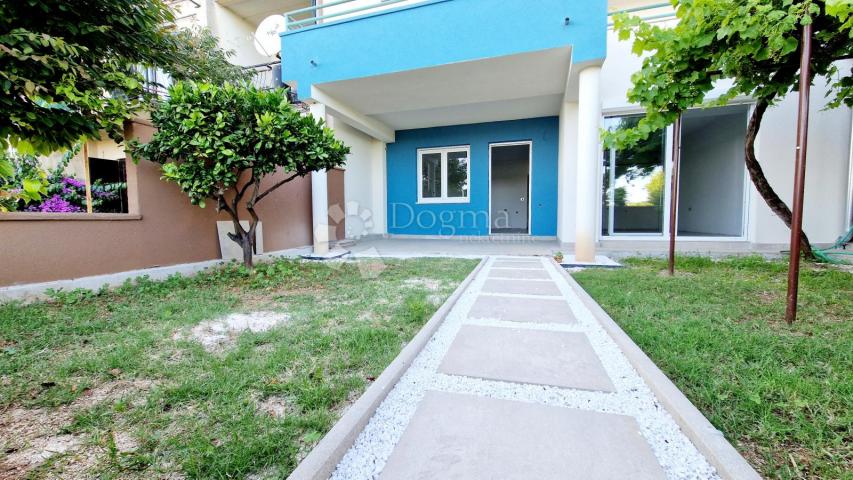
156 225
480 117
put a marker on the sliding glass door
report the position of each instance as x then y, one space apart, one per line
634 184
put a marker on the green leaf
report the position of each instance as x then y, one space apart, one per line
7 169
32 187
791 45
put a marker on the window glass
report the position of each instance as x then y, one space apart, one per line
431 175
634 181
457 174
444 175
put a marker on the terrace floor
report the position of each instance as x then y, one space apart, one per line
525 245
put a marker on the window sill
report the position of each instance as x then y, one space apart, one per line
443 201
37 216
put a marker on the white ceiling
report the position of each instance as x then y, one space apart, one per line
504 88
253 11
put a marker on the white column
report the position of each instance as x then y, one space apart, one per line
320 197
379 204
566 173
589 120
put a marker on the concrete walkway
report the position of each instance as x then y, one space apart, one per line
521 382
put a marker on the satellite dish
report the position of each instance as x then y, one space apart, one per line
267 40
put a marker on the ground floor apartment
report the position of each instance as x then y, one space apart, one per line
534 167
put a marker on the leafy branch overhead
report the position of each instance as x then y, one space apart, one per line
752 43
70 70
219 142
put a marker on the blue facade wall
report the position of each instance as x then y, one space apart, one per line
439 32
407 217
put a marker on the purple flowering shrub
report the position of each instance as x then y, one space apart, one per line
71 191
55 204
60 192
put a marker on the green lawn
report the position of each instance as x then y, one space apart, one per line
783 395
114 377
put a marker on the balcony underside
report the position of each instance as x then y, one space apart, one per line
253 11
512 87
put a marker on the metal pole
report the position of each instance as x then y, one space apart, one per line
673 198
799 173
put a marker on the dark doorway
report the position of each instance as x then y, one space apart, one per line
510 188
109 178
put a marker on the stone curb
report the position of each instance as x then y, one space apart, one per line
322 460
707 439
36 291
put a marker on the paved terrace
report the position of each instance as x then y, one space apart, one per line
521 381
478 247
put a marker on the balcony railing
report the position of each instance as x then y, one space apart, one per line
155 81
313 15
264 76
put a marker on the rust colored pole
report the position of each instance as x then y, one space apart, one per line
673 198
799 174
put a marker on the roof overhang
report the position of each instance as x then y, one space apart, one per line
525 85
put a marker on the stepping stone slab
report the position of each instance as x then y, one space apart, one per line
521 287
541 357
527 274
455 436
517 264
511 309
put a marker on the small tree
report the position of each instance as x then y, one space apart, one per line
755 44
219 142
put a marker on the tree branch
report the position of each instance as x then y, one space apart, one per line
269 190
235 219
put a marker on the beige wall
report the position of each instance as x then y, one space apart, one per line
365 178
162 229
234 32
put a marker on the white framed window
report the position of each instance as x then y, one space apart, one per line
444 174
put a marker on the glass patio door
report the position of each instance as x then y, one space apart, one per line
634 184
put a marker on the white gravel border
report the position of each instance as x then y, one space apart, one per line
677 455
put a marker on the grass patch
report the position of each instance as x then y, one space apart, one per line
113 368
781 394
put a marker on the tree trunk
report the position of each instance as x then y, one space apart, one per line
756 174
248 244
245 239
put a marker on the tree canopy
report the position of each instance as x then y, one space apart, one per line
201 59
754 44
218 143
69 70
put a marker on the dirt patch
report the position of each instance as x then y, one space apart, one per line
112 391
435 299
220 334
269 473
428 283
768 298
278 407
31 436
371 268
